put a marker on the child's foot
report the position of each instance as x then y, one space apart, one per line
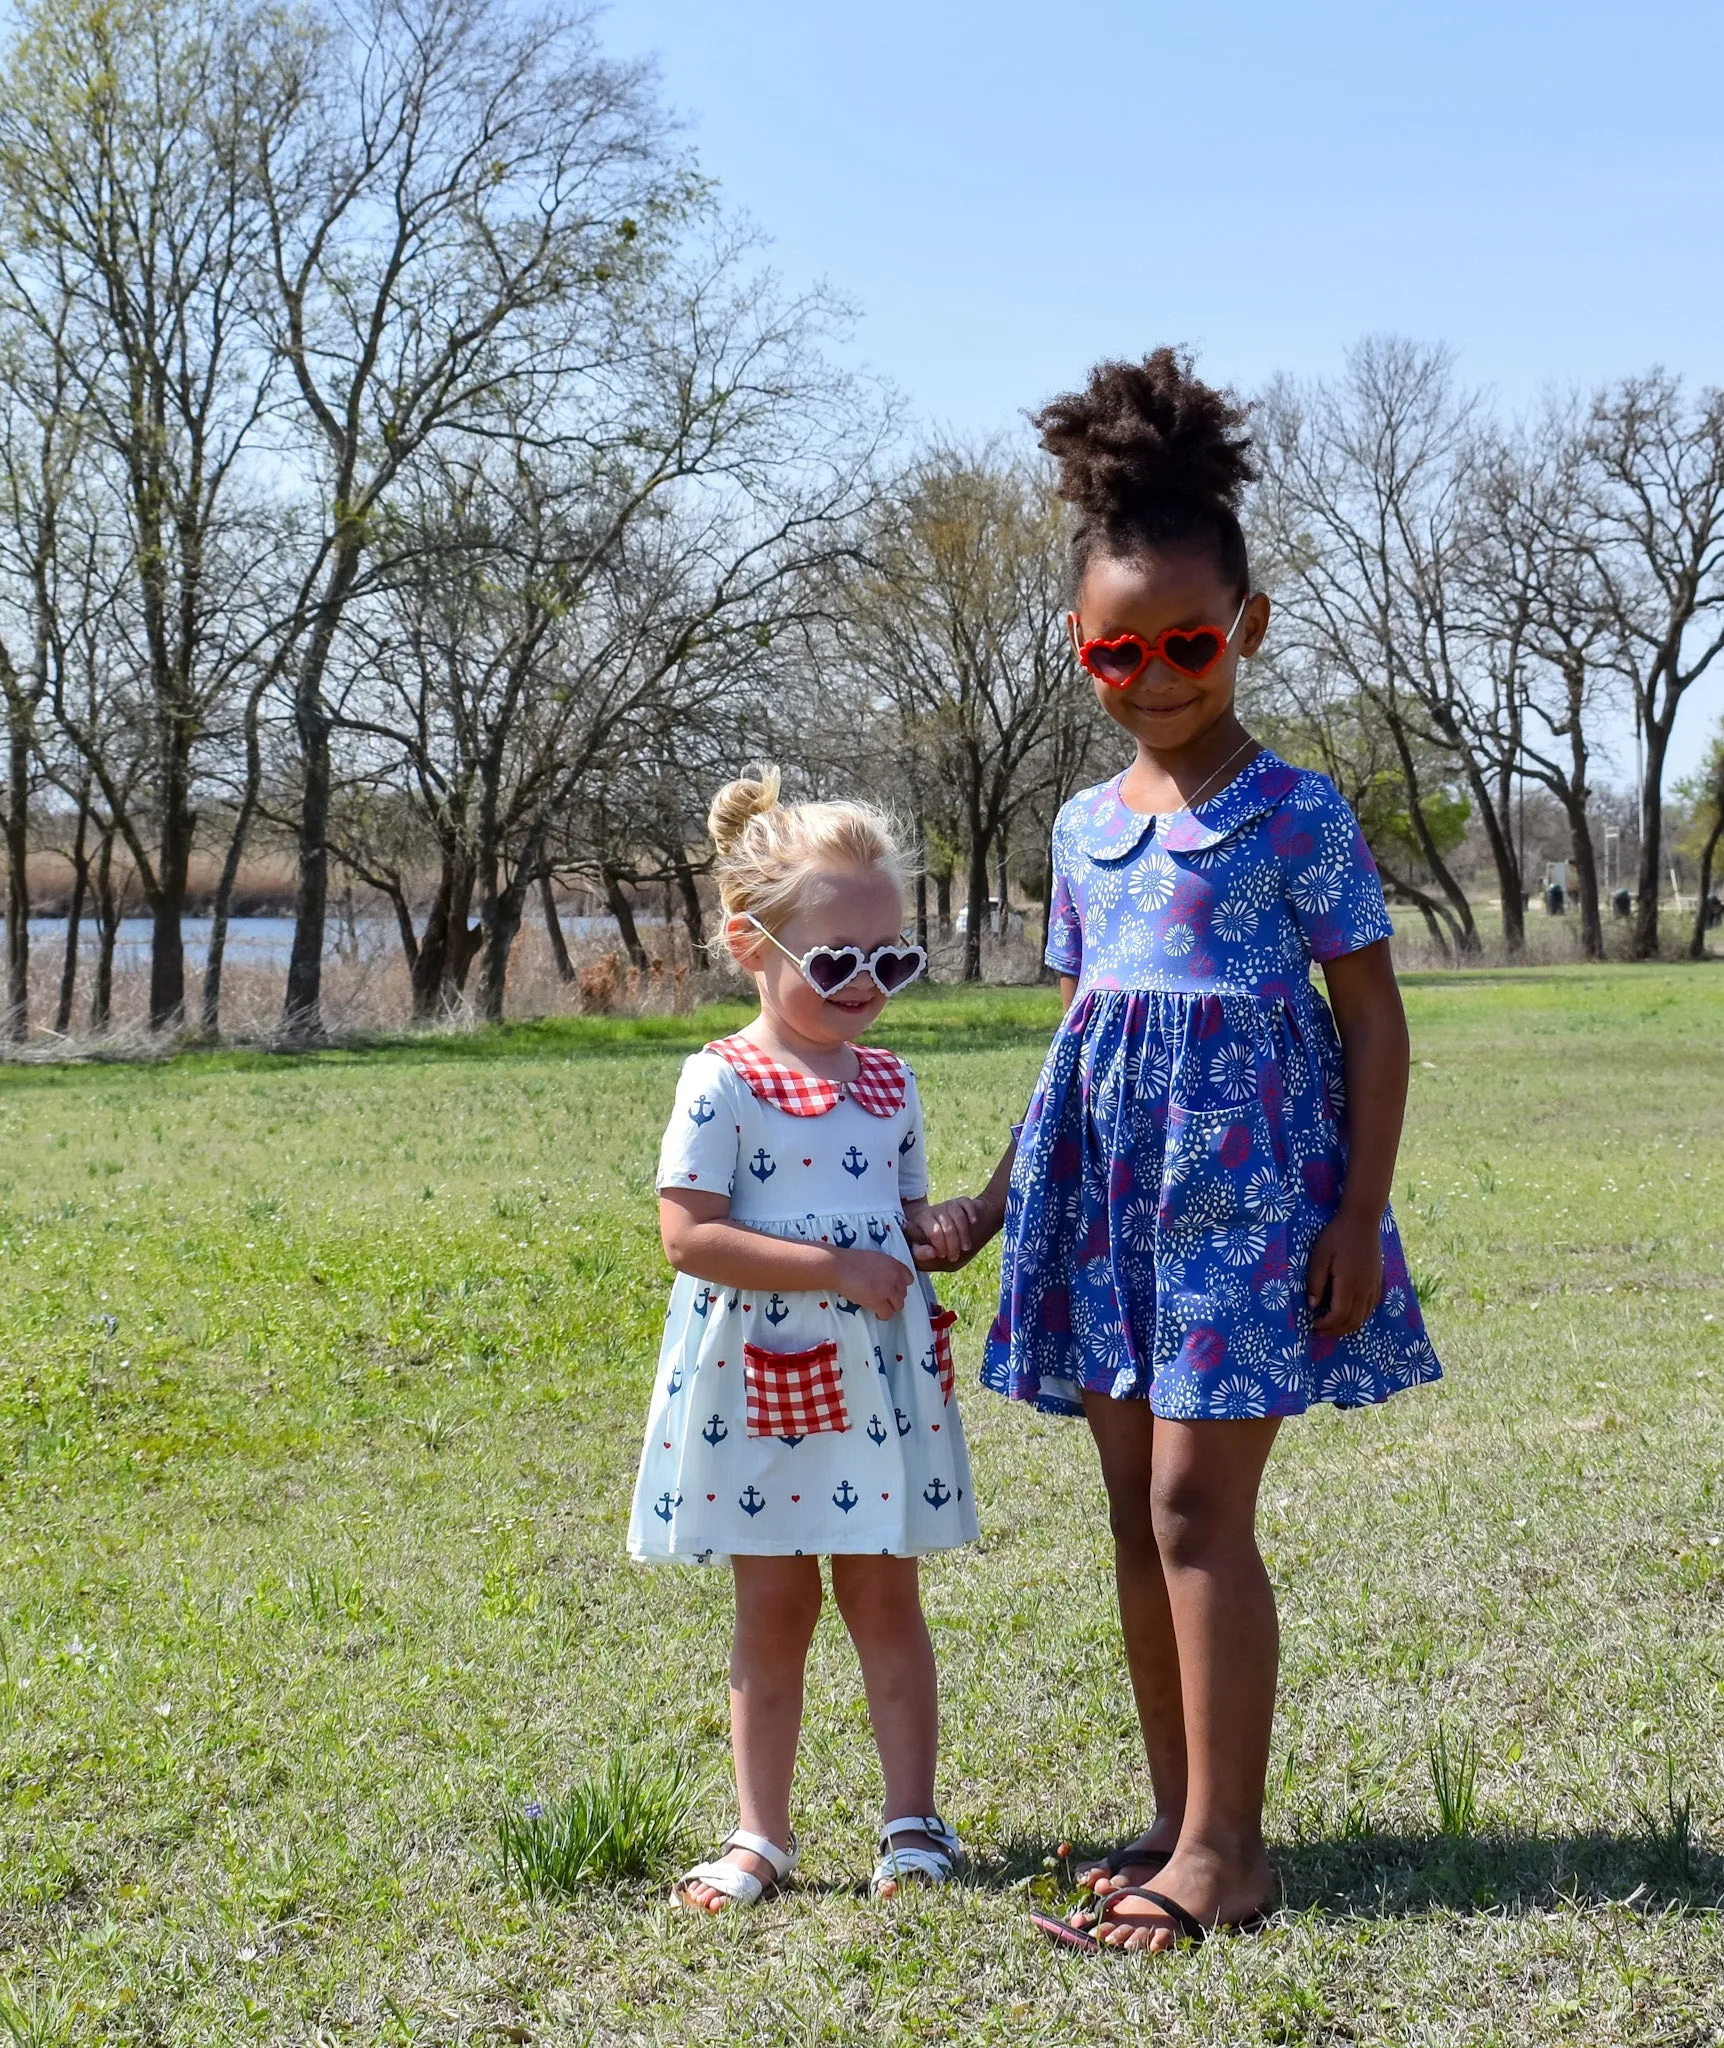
748 1867
1214 1891
1135 1863
910 1854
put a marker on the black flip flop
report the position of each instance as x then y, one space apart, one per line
1190 1928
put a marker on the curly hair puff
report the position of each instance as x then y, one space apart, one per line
1154 460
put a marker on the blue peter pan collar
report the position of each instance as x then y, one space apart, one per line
1106 828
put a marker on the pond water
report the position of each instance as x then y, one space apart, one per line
267 941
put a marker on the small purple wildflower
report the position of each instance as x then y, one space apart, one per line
533 1810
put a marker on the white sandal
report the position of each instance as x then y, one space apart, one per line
740 1886
931 1866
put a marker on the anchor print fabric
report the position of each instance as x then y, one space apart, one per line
871 1457
1186 1143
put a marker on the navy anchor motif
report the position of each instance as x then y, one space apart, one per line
763 1166
704 1297
845 1496
842 1235
666 1505
854 1164
716 1431
879 1358
903 1421
790 1442
936 1493
673 1386
876 1429
776 1311
847 1308
701 1110
878 1230
751 1501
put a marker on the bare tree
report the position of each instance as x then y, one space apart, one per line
959 622
463 204
1372 489
1655 539
134 235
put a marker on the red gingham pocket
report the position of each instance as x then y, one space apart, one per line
940 1320
793 1393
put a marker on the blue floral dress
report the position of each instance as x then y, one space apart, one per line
1186 1143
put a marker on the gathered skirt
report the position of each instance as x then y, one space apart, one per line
799 1424
1180 1155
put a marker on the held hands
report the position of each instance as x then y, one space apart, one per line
874 1280
947 1235
1347 1266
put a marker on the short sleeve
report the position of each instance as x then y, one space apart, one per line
1332 882
701 1141
1065 927
912 1147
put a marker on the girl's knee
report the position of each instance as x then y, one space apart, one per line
1190 1517
778 1609
877 1595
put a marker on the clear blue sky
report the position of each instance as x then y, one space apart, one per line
1008 191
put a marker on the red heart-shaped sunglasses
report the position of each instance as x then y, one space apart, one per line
1190 651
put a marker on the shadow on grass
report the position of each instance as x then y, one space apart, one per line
1389 1876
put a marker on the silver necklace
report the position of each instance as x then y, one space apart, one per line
1192 801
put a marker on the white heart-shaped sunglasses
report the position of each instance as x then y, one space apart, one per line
830 969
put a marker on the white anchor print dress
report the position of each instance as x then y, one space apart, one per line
792 1424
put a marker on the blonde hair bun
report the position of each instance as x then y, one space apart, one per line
738 803
769 851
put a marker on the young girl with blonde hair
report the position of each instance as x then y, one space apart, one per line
803 1405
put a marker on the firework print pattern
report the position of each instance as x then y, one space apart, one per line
1186 1140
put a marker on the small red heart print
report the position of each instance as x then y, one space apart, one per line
885 1496
667 1443
712 1496
808 1162
935 1427
796 1496
748 1308
694 1176
823 1304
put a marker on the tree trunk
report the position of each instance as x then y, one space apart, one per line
1651 843
1511 885
216 957
17 1018
554 928
922 910
976 912
107 928
426 967
943 903
496 941
168 901
1467 940
74 917
1697 939
302 1004
1000 865
623 911
693 917
1586 877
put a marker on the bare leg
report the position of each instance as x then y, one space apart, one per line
777 1606
880 1600
1204 1505
1124 1433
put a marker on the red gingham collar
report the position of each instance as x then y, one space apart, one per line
878 1087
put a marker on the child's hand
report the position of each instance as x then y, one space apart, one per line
946 1235
875 1280
1347 1265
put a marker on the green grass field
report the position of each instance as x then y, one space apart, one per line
321 1383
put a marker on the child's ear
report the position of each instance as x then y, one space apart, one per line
1256 625
746 942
